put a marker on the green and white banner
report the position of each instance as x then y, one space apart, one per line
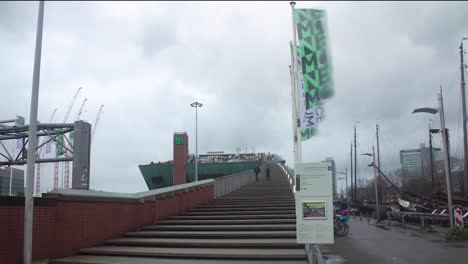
314 56
312 116
306 131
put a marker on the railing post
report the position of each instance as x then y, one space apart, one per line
389 223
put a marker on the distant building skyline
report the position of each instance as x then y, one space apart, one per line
415 163
17 185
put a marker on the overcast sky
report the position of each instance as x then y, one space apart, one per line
147 61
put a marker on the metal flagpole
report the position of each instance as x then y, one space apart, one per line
293 112
297 135
196 143
32 144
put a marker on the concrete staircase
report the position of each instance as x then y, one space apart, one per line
254 224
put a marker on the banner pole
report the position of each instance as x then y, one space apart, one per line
291 75
297 134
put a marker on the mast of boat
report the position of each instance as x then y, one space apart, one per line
465 144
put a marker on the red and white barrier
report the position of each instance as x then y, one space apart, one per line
458 215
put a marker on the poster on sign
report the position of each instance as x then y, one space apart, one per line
314 210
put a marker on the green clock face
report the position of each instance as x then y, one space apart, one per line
179 140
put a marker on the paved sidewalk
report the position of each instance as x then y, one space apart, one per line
368 244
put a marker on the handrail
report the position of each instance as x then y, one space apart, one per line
229 183
289 173
131 197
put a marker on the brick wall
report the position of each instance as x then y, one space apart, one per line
61 228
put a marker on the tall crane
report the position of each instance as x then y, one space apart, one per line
96 122
38 156
81 109
56 168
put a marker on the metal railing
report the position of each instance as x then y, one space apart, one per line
424 217
229 183
289 173
314 255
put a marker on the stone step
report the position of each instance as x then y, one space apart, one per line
251 216
227 222
273 205
90 259
276 227
257 191
277 212
250 198
264 194
245 201
228 253
221 209
223 201
213 243
213 234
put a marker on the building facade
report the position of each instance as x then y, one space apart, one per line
17 183
416 163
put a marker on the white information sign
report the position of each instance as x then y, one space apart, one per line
314 203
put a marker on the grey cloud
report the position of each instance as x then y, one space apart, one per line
148 61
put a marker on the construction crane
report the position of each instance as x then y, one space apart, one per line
38 156
96 122
81 109
56 168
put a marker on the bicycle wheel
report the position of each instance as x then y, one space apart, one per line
340 229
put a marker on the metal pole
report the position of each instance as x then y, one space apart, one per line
465 141
293 113
11 171
346 177
297 134
379 177
196 143
447 172
11 179
447 136
351 155
431 159
376 187
32 144
355 166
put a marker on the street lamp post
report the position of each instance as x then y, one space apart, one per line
375 183
346 178
445 145
32 144
196 105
